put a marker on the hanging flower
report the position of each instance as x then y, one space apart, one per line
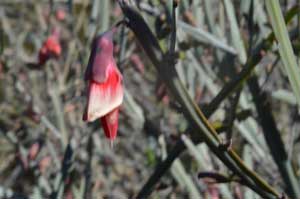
105 89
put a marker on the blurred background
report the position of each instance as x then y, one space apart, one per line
47 151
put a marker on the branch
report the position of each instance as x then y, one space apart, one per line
191 111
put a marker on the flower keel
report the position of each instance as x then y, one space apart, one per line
110 124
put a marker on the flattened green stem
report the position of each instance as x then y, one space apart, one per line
229 88
293 72
173 32
235 32
190 109
285 46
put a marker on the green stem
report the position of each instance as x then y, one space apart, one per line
190 109
285 47
179 147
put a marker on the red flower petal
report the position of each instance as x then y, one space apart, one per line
110 124
104 97
53 46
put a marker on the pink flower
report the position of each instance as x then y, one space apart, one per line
50 48
105 88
